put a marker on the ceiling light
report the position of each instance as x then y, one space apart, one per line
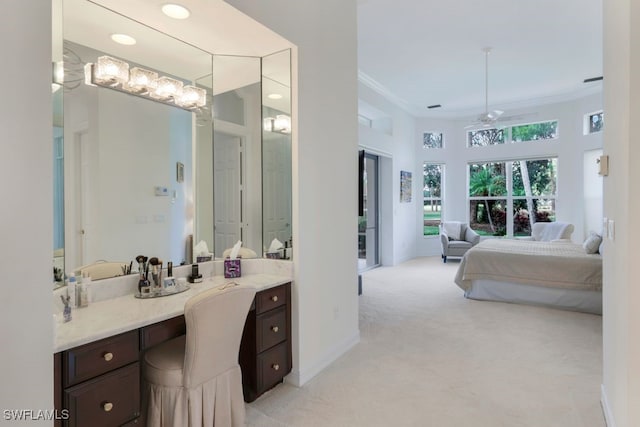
175 11
123 39
274 96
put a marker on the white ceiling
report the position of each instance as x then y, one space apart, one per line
424 52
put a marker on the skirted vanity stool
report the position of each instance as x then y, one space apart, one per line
195 379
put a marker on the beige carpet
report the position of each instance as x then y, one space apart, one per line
430 357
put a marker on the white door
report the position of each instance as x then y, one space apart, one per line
227 187
276 211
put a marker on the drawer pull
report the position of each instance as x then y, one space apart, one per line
107 406
275 328
108 356
275 366
274 298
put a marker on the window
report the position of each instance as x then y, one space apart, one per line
594 122
520 133
485 137
432 140
507 198
432 195
534 131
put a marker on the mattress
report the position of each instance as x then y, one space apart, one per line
552 274
550 264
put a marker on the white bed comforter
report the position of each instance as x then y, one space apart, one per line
551 264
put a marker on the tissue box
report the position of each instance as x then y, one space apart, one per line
232 268
204 258
274 255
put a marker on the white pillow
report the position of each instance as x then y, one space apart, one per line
592 243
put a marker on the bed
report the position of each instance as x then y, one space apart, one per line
557 274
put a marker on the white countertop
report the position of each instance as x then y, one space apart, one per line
117 315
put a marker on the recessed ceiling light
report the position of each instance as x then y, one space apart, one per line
274 96
175 11
123 39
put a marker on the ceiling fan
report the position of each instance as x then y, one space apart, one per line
488 118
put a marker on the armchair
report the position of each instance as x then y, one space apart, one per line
456 238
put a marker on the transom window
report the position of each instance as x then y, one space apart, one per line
519 133
432 140
507 198
432 196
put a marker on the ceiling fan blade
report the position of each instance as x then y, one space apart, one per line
493 115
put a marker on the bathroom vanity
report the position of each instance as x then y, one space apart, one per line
97 355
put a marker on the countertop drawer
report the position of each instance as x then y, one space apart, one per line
273 365
271 328
90 360
271 298
111 400
163 331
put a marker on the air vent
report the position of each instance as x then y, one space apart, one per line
593 79
434 106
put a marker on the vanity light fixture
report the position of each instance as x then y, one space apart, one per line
114 73
175 11
123 39
281 124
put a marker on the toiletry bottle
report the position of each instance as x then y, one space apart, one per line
86 282
71 291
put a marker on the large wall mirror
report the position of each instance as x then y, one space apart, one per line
276 152
135 174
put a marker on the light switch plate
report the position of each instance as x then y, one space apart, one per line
611 229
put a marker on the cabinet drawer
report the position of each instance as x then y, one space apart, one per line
270 298
110 400
91 360
273 365
163 331
271 328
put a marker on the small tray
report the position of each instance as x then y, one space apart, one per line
163 292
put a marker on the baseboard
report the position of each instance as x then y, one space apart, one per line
299 378
606 409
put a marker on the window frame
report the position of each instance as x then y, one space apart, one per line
439 199
509 197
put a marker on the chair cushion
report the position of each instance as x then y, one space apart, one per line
459 244
163 363
454 230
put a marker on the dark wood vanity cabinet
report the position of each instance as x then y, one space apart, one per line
100 383
265 351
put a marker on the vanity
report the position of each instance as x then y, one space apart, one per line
97 356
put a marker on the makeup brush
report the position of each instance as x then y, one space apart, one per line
154 269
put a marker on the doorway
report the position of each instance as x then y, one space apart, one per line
368 222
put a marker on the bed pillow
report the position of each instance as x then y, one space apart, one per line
592 243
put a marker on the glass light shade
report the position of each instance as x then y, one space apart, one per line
167 88
282 123
141 80
267 124
110 71
192 97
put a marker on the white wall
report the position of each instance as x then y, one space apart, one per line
621 317
325 158
568 147
26 220
396 148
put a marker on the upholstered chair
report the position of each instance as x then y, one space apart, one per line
195 379
456 238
